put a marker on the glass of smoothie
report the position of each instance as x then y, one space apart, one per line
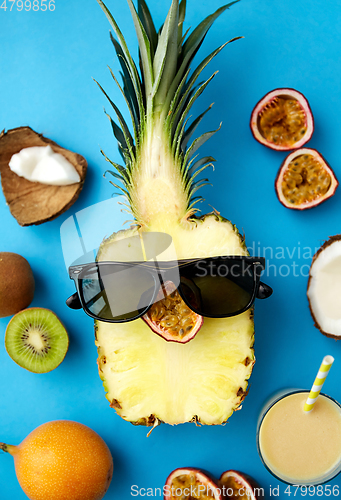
297 447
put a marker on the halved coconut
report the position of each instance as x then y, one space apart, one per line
189 483
282 120
32 202
305 180
324 288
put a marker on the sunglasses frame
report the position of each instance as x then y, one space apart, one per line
76 301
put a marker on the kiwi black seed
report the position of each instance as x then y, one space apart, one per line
36 340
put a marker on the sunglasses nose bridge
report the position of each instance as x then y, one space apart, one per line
165 275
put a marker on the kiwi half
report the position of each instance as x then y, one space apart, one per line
36 340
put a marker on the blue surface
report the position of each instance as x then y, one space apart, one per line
46 64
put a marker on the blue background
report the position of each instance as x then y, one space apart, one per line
47 60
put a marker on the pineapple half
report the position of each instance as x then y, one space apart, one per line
147 379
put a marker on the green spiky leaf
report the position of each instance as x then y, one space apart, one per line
190 131
193 43
134 75
145 50
163 90
125 137
199 163
198 142
166 56
129 88
148 24
189 105
182 15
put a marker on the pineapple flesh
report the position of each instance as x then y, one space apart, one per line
149 380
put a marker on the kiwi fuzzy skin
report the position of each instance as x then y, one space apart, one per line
16 284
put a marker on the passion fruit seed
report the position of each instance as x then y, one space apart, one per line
173 314
305 180
282 121
187 487
238 489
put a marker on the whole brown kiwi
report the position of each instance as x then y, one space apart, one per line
16 284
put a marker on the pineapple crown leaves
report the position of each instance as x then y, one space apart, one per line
162 87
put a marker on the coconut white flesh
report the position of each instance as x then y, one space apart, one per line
324 290
42 164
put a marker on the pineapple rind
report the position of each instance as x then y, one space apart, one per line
207 236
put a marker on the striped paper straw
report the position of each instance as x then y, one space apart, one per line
319 381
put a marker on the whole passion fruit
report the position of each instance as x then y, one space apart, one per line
171 318
235 484
189 483
62 459
305 180
282 120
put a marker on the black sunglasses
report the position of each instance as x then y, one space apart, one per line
215 287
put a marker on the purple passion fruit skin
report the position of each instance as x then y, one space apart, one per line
305 180
171 318
282 120
181 480
236 484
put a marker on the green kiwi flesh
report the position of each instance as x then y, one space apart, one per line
36 340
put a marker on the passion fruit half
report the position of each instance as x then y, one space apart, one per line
282 120
171 318
235 484
190 483
305 180
324 288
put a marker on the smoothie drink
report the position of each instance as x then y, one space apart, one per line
299 447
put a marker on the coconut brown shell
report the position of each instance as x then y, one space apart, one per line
16 284
332 239
32 202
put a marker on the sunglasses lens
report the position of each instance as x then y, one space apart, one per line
116 292
218 287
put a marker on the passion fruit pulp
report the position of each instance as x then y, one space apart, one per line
190 483
282 120
171 318
305 180
235 484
